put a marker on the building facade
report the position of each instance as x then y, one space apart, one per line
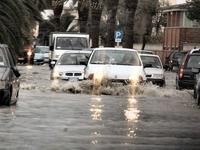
180 33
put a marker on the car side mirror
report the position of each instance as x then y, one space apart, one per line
16 72
51 48
148 66
195 70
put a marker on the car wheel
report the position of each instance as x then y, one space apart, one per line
7 98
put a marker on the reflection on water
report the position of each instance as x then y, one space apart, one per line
132 115
7 114
96 108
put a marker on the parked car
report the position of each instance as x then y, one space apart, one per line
41 54
71 65
9 83
196 95
116 65
153 68
174 60
185 78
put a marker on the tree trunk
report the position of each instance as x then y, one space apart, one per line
131 6
83 11
111 22
57 13
96 7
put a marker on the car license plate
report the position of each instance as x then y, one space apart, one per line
73 79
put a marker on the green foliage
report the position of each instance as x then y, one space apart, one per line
17 19
194 10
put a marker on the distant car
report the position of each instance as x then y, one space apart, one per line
41 54
185 78
145 52
71 65
153 68
116 65
174 59
9 75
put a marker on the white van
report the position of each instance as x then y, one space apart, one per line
61 42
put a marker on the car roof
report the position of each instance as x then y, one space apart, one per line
114 48
151 55
77 52
196 50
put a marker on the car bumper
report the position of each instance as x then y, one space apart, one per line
187 84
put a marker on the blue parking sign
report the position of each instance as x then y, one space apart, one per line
118 36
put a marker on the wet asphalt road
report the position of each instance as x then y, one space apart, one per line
48 120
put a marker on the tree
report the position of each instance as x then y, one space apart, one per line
194 10
17 19
83 11
145 11
112 6
130 8
96 7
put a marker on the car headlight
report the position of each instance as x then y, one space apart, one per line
60 73
55 74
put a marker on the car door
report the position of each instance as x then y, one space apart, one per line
14 74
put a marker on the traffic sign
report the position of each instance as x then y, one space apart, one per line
118 36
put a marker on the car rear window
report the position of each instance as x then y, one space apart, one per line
193 61
154 61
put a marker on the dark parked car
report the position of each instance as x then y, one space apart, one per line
185 78
9 75
196 71
174 59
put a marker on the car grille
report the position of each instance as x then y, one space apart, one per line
69 74
73 74
77 74
148 76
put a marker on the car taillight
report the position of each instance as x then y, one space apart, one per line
181 72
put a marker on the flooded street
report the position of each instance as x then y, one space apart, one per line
49 116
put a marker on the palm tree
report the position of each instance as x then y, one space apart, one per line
17 18
112 6
96 7
130 6
83 11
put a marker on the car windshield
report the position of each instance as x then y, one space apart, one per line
73 58
117 57
194 61
71 43
2 59
41 49
152 60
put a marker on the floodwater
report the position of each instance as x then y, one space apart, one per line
53 115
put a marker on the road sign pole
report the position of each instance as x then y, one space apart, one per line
117 44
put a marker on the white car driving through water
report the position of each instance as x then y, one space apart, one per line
153 68
71 65
115 64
